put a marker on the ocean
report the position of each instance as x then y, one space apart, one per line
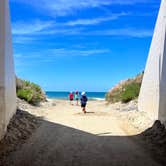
64 95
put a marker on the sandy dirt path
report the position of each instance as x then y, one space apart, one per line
67 137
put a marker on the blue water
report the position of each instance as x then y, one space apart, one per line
64 95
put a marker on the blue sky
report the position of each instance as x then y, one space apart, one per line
87 45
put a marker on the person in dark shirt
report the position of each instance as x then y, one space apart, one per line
83 100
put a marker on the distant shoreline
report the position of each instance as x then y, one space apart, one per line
90 99
92 96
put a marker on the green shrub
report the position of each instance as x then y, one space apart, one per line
130 92
36 87
25 94
114 97
27 83
36 98
125 91
30 92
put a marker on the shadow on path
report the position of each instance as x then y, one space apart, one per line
57 145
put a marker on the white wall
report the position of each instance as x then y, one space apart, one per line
152 97
7 74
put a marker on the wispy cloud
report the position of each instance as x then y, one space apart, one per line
25 32
65 7
95 21
23 39
23 28
39 27
28 33
124 32
32 59
50 54
77 52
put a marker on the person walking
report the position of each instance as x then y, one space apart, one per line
76 97
84 100
71 98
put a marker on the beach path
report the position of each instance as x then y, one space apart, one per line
67 137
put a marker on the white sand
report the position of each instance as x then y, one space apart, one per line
100 117
68 137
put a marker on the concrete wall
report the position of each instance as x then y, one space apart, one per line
7 74
152 97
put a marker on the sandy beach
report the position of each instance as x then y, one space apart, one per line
98 118
65 136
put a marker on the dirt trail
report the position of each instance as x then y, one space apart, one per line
70 138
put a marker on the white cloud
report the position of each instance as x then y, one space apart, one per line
23 28
95 21
124 32
77 52
50 54
23 39
65 7
24 32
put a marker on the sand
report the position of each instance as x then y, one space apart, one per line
99 113
106 135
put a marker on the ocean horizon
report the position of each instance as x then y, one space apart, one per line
64 95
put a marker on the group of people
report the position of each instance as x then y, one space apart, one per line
83 99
